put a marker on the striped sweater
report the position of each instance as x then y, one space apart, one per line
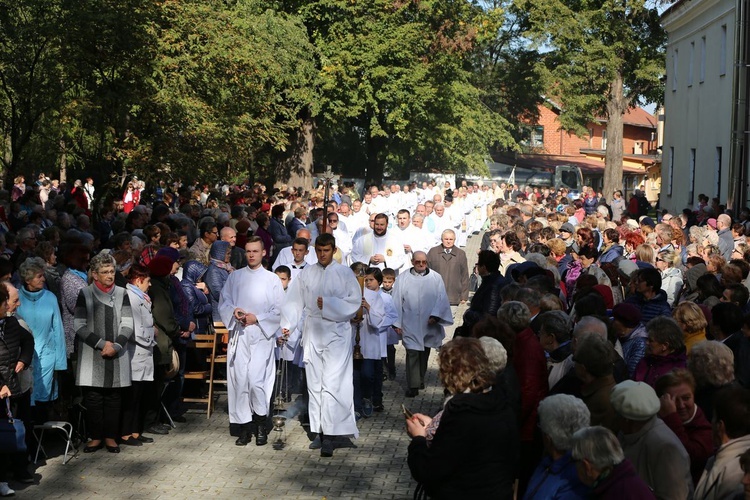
101 317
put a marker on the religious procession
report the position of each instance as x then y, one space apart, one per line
598 350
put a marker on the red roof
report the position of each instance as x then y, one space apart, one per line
640 118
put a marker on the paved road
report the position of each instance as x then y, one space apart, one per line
199 458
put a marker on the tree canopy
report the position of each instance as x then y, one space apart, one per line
230 89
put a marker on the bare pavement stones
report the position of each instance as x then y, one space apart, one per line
199 458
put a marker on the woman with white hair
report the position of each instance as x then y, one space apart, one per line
602 465
560 416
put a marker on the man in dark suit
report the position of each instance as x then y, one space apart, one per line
450 263
298 222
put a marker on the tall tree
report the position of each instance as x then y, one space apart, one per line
599 57
395 87
31 74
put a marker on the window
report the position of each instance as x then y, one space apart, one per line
691 192
670 171
591 138
537 137
534 138
723 52
604 139
674 70
690 64
717 176
703 60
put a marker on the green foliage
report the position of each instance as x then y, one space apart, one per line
31 75
587 45
396 89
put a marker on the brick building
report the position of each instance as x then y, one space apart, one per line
546 143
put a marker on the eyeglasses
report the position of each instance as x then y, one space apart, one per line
214 232
419 261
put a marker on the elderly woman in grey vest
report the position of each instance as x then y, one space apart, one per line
104 325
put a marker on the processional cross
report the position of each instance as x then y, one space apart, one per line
328 178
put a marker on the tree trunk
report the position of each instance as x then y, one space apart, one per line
617 104
297 170
63 161
375 160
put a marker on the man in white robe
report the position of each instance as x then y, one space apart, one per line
423 312
249 307
329 296
380 248
411 237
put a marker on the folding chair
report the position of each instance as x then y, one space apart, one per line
65 427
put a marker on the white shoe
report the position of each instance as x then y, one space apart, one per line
5 490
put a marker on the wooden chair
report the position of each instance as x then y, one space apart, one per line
207 342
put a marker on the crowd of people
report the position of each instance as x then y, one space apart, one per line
602 352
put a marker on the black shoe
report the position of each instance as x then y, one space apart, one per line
244 439
315 443
410 393
326 448
385 377
92 449
131 441
378 407
113 449
261 433
24 476
144 439
157 429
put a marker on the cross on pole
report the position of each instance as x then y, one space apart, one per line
328 177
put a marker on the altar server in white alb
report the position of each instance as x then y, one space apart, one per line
249 307
329 295
423 312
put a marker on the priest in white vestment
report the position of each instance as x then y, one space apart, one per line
249 307
329 296
380 248
423 312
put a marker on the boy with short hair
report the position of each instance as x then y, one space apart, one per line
392 338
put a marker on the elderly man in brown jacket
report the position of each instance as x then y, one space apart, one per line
450 263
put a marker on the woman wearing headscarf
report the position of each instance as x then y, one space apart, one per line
218 270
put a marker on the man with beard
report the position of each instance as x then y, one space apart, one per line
379 248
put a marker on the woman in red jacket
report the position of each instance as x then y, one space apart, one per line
130 198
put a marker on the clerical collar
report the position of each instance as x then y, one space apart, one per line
301 266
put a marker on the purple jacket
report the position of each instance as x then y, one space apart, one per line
622 483
652 367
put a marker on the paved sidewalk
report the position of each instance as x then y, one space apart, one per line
199 458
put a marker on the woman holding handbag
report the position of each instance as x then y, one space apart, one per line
16 353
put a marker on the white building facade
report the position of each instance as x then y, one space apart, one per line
700 109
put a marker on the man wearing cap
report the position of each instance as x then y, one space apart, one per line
566 234
631 332
655 451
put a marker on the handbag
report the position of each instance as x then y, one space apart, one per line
12 432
